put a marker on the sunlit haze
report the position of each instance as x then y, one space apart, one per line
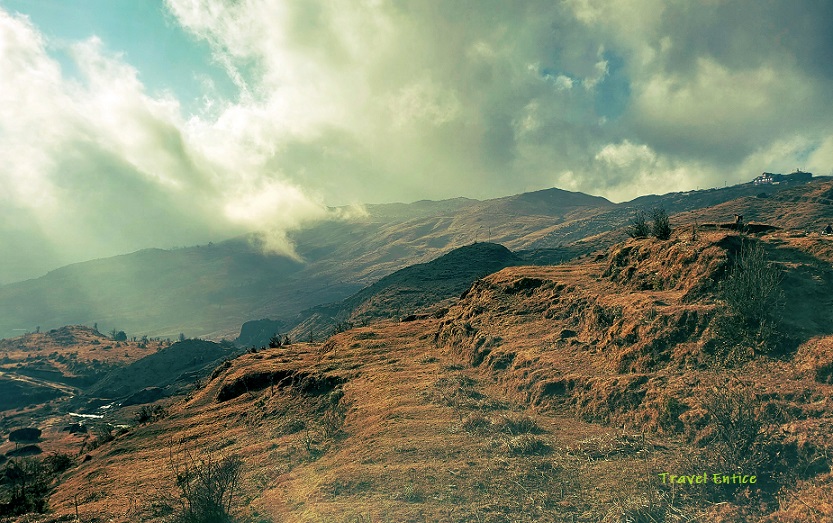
126 125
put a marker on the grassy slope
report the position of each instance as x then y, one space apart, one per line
543 395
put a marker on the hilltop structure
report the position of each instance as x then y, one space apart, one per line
771 178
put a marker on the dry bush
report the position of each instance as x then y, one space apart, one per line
207 486
332 421
737 433
753 297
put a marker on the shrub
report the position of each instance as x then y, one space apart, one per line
58 462
27 481
753 297
660 226
333 418
638 227
737 428
207 486
103 434
150 413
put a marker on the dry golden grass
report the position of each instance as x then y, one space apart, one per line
545 394
70 349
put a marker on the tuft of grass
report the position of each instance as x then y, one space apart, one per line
477 424
516 424
654 507
527 445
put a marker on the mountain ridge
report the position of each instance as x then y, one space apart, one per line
211 290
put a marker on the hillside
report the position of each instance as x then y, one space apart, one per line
557 393
210 290
407 291
170 369
410 293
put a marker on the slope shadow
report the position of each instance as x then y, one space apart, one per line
808 292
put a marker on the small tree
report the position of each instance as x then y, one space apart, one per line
275 341
660 226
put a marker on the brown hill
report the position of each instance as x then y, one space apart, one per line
545 394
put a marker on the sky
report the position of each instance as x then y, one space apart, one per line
158 123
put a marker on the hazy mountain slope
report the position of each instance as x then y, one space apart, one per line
210 291
154 292
407 290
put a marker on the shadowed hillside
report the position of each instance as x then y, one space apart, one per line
407 290
171 369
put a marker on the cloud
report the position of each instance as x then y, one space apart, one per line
96 166
371 101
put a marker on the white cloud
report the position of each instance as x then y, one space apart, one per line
629 170
423 102
103 167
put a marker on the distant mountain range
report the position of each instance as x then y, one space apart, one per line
209 291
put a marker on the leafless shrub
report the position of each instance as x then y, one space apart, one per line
753 297
737 428
207 486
